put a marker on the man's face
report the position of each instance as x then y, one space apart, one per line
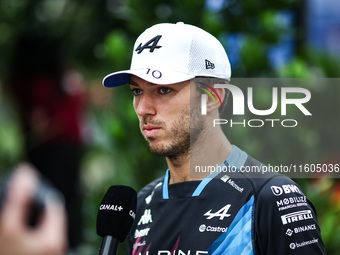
164 115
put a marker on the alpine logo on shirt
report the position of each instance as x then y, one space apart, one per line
221 214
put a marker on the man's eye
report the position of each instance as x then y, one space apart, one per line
164 90
136 92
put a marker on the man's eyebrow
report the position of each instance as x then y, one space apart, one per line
131 82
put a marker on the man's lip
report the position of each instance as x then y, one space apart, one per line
150 127
150 130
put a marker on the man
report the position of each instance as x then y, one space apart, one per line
183 213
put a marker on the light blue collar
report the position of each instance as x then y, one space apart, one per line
236 158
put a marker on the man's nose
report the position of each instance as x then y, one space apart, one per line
145 105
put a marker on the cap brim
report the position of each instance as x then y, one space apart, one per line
162 77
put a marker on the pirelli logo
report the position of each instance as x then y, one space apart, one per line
296 216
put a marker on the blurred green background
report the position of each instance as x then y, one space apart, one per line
281 39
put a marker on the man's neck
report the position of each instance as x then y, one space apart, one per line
210 150
179 168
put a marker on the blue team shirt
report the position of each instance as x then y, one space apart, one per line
226 213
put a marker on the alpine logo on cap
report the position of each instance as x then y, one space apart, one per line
151 44
209 65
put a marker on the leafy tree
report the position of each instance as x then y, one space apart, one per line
97 37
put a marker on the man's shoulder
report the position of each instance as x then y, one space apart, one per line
150 187
264 180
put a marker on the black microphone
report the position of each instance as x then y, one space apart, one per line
116 215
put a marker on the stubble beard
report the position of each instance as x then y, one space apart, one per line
184 132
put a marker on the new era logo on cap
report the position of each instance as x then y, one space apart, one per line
209 65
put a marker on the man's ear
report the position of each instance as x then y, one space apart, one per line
218 95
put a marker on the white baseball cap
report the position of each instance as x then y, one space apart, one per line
171 53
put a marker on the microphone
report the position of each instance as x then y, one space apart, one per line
116 215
